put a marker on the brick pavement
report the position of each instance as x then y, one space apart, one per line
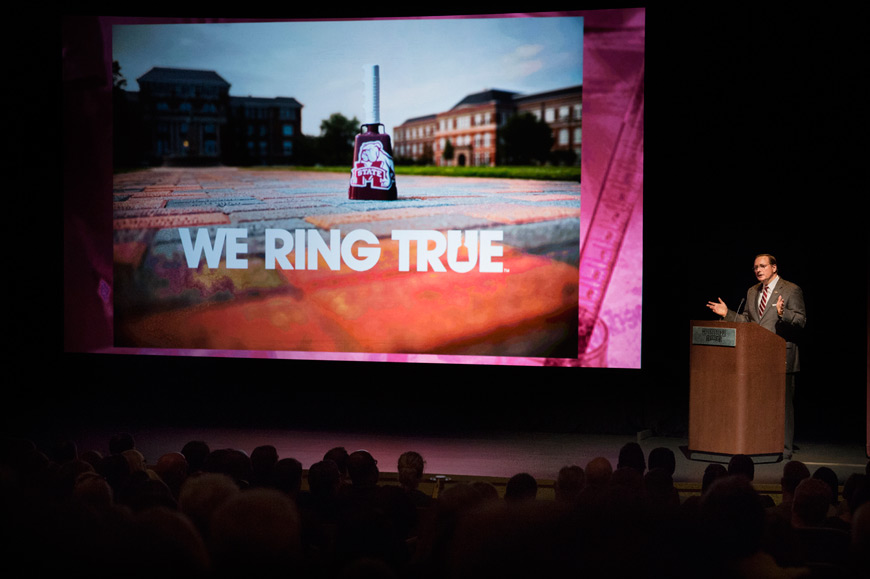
530 309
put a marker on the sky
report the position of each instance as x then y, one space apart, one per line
426 65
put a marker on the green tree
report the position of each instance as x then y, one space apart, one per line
335 144
524 140
447 154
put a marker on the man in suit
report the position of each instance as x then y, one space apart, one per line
777 305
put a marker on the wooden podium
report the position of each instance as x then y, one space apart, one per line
736 392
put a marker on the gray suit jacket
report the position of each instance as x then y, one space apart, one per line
789 326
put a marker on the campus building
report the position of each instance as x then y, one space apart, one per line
188 117
468 131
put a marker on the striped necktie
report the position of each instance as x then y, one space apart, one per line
763 302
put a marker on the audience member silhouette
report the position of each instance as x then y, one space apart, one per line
167 544
856 492
731 517
339 456
320 509
631 456
195 452
324 480
569 484
255 533
712 473
263 461
661 494
793 473
741 464
202 494
120 442
286 476
859 556
820 545
172 470
598 476
827 475
812 497
410 471
377 519
598 472
231 462
92 457
663 458
521 487
116 471
485 491
92 491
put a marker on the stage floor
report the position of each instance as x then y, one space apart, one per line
494 456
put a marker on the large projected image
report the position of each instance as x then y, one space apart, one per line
229 239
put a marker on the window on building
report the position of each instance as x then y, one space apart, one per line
287 130
563 136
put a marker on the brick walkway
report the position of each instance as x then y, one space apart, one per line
529 310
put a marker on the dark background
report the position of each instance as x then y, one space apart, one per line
754 131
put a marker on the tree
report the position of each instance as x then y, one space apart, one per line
524 139
335 144
118 80
447 155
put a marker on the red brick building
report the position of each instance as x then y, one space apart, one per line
468 131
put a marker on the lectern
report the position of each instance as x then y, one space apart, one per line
736 392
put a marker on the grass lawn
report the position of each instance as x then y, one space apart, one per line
525 172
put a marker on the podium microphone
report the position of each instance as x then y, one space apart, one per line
373 175
742 301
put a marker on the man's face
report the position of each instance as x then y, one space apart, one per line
764 272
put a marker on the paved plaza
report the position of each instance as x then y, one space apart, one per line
162 300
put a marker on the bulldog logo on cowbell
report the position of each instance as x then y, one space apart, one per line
373 166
